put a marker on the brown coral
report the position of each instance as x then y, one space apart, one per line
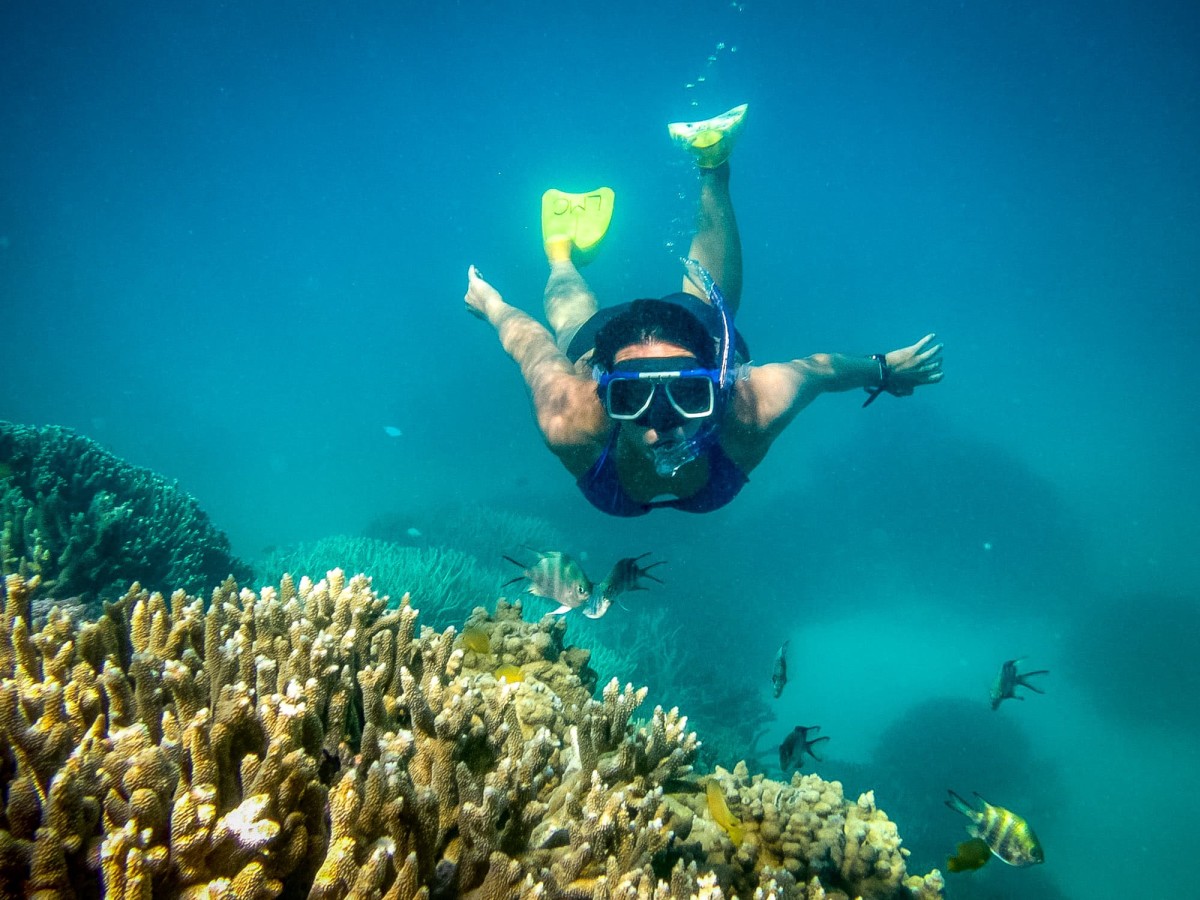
307 740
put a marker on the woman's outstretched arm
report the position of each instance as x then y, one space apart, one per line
565 404
776 392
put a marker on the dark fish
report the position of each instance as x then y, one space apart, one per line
555 576
779 670
626 576
796 744
1009 679
1006 834
972 854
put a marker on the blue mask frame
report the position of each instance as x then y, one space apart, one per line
665 379
671 457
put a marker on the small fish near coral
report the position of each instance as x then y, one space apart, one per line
719 810
779 671
1006 834
1010 679
510 673
969 855
476 640
555 576
796 744
558 576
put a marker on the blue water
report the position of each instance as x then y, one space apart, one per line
233 247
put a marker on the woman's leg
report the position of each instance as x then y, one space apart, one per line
716 244
569 301
573 225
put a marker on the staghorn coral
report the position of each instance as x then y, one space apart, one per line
89 523
485 532
308 740
445 581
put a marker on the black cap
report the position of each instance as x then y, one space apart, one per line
678 318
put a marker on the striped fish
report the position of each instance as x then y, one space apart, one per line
1007 835
555 576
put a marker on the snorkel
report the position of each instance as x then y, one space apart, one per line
671 456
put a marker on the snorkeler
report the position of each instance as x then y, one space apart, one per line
653 403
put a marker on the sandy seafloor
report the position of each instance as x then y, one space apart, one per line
233 245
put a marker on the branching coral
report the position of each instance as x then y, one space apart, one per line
484 532
446 582
89 523
308 740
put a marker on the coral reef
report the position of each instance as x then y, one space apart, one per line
307 740
90 524
649 645
446 583
485 532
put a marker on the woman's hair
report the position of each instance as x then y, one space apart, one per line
654 320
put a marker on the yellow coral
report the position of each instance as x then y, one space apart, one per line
308 741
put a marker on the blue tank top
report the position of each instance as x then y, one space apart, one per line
602 486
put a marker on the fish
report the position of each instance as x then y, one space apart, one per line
392 431
476 640
779 671
796 744
1010 679
970 855
413 532
719 810
626 576
510 673
555 576
1006 834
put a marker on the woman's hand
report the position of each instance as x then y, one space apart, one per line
911 366
482 299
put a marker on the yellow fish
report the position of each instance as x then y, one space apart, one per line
511 674
476 639
1006 834
719 810
972 854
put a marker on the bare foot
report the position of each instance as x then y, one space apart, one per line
480 296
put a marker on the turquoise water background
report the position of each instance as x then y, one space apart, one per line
233 247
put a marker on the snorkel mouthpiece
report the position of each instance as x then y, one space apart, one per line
671 456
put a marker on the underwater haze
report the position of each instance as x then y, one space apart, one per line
234 240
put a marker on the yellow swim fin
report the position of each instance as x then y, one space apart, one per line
575 222
712 140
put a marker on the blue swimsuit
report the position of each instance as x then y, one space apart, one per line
602 486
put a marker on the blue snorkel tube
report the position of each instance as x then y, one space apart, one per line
671 458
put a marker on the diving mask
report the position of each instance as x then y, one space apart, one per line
639 388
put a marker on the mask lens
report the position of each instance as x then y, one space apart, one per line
692 395
628 397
